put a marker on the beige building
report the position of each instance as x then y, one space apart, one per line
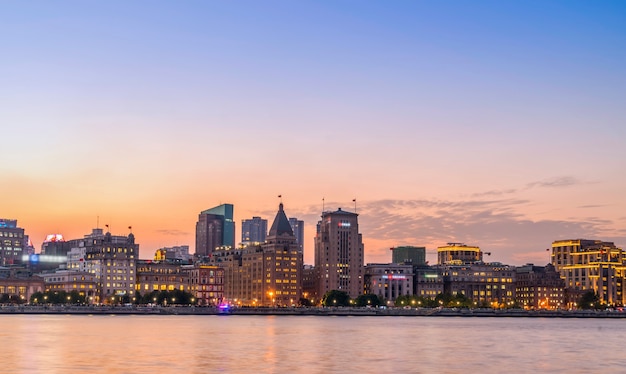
160 276
84 283
388 281
591 265
339 254
269 274
492 284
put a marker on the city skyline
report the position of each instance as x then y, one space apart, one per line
493 124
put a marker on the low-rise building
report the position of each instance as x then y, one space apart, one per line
388 281
206 283
492 284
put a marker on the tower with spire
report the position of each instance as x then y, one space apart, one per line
283 263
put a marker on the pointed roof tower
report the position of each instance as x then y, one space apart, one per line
281 224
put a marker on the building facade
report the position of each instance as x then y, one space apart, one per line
485 284
112 259
388 281
206 283
591 265
160 276
339 253
428 281
539 287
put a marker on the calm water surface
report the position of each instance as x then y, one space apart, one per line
308 344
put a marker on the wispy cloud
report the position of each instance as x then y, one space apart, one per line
558 182
171 232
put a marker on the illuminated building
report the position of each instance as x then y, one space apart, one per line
539 287
428 281
12 242
84 283
309 284
19 285
388 281
112 259
339 253
206 283
297 226
492 284
215 228
458 254
591 265
253 231
160 276
268 274
408 255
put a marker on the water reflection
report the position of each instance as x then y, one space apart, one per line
305 344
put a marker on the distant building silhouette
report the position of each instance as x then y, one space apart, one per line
298 230
253 230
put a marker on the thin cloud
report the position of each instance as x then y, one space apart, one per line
172 232
557 182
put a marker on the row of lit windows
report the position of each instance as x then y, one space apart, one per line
12 289
8 234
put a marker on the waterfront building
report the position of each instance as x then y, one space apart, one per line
160 276
388 281
84 283
253 231
112 259
408 255
267 274
539 287
591 265
339 253
428 281
492 284
215 229
206 283
297 226
18 284
12 242
458 254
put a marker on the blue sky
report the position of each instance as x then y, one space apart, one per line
153 111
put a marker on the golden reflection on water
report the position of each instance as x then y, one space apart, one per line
305 344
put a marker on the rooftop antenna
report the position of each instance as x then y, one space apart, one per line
322 206
354 201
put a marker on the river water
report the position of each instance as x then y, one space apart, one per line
308 344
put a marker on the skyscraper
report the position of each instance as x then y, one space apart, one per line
215 228
253 230
298 230
339 253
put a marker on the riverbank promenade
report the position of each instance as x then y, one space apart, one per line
308 311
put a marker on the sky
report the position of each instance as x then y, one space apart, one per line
496 124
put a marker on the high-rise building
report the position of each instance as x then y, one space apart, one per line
458 254
215 228
339 253
11 242
409 255
591 265
253 230
298 230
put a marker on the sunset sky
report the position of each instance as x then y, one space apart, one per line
498 124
